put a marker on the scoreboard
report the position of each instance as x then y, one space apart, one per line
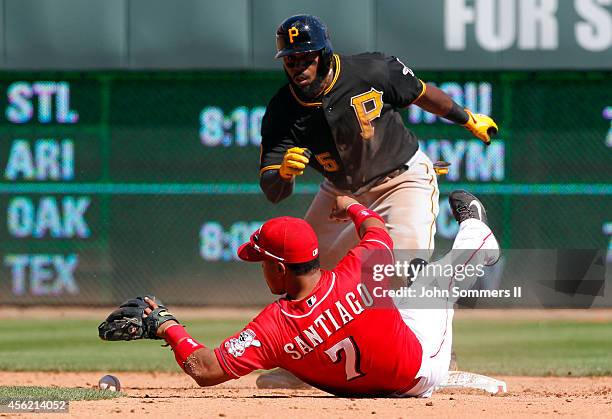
115 184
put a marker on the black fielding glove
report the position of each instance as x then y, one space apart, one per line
128 322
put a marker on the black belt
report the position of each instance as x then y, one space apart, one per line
392 174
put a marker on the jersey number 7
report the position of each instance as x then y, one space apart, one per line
351 364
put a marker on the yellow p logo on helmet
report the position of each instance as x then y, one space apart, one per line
293 32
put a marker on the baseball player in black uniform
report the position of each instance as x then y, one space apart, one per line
340 115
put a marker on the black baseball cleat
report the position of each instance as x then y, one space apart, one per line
465 205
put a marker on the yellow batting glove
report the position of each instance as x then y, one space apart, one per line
294 162
482 126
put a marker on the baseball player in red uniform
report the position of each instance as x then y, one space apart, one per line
326 328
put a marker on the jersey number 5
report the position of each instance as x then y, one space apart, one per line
351 364
367 107
328 162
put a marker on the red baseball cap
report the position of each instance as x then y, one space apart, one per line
285 239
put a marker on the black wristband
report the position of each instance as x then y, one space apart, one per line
457 115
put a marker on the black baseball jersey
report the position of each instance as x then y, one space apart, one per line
356 133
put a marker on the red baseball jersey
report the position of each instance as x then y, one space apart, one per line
334 339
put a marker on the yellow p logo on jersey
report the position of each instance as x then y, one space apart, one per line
367 106
293 32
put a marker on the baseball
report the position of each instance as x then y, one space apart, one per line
110 383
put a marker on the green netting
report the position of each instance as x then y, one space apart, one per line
149 181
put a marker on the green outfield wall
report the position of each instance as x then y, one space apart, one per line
120 183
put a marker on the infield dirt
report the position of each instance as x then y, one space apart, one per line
175 395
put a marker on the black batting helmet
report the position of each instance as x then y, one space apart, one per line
303 33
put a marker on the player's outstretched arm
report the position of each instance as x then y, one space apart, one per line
437 102
198 361
146 318
372 231
342 212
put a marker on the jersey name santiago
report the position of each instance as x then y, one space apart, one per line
335 339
